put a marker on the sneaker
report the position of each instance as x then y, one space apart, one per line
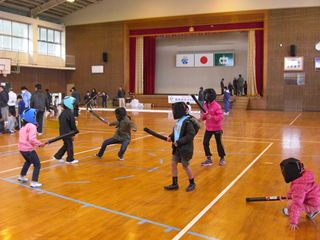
121 158
207 162
226 113
312 215
191 187
285 211
35 184
39 134
171 187
57 159
72 162
23 179
222 162
97 155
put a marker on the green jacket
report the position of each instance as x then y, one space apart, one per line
124 127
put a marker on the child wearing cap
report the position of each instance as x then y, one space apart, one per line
27 141
67 123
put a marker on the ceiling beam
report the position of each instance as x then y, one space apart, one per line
2 1
45 6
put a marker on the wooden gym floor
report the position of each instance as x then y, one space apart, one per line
109 199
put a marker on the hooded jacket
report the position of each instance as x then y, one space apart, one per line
213 116
305 194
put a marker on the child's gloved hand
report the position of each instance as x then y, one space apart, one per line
168 139
175 144
43 144
293 227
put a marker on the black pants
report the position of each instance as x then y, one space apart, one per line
12 110
31 158
206 142
76 111
67 147
40 121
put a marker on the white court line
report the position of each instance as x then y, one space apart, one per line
136 110
41 139
50 160
295 119
207 208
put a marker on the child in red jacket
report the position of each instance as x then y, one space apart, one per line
304 191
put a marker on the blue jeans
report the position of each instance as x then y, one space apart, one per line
31 158
109 141
226 106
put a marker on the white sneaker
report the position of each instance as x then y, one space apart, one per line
121 158
23 179
39 134
35 184
72 162
60 160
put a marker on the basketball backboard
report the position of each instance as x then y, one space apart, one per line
5 66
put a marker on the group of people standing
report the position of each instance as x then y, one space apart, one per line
238 86
12 105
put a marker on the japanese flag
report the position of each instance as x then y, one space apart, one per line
203 60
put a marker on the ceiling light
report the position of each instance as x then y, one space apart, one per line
70 1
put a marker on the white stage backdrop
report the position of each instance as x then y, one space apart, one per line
186 80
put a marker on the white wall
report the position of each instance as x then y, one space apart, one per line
118 10
188 80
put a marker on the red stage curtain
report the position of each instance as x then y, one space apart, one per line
132 65
259 61
149 64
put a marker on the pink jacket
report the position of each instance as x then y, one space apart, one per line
28 138
213 116
305 194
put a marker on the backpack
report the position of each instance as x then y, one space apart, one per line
195 123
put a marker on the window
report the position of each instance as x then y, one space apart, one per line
14 36
49 42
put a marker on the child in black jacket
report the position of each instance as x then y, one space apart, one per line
182 145
67 124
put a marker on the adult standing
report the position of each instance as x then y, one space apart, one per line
201 96
230 88
222 86
94 96
26 96
49 97
39 101
12 102
235 86
4 97
76 95
241 84
121 97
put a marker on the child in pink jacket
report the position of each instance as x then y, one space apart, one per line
27 141
213 117
304 191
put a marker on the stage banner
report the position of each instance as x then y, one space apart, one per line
185 60
185 98
203 60
224 59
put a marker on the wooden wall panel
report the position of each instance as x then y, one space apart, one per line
299 27
87 43
53 79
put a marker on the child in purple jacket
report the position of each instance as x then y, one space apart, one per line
304 192
213 117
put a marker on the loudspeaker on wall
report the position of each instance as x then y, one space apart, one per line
293 50
105 56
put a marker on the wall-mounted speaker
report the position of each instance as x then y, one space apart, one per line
293 50
105 56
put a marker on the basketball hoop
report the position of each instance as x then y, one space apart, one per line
4 74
